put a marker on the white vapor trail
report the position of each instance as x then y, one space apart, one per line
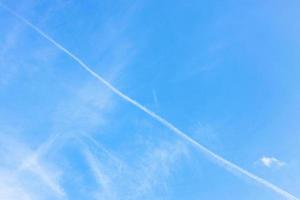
231 167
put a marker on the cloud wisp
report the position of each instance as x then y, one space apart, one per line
102 148
103 180
19 175
146 178
31 163
271 162
226 164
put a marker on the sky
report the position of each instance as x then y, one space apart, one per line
223 73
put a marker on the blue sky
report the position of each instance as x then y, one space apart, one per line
226 73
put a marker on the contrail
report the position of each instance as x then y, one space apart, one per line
226 164
102 148
35 156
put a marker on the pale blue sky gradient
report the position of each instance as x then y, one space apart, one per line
226 73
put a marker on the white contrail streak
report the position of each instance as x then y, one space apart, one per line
231 167
102 148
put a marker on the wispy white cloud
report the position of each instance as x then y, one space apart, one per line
83 112
19 57
8 70
87 108
207 134
92 142
22 182
155 99
154 169
11 188
104 181
271 162
48 177
34 165
147 178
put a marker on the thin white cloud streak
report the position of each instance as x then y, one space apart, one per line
147 178
34 157
48 180
32 164
231 167
155 99
20 175
102 179
11 38
102 148
153 170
